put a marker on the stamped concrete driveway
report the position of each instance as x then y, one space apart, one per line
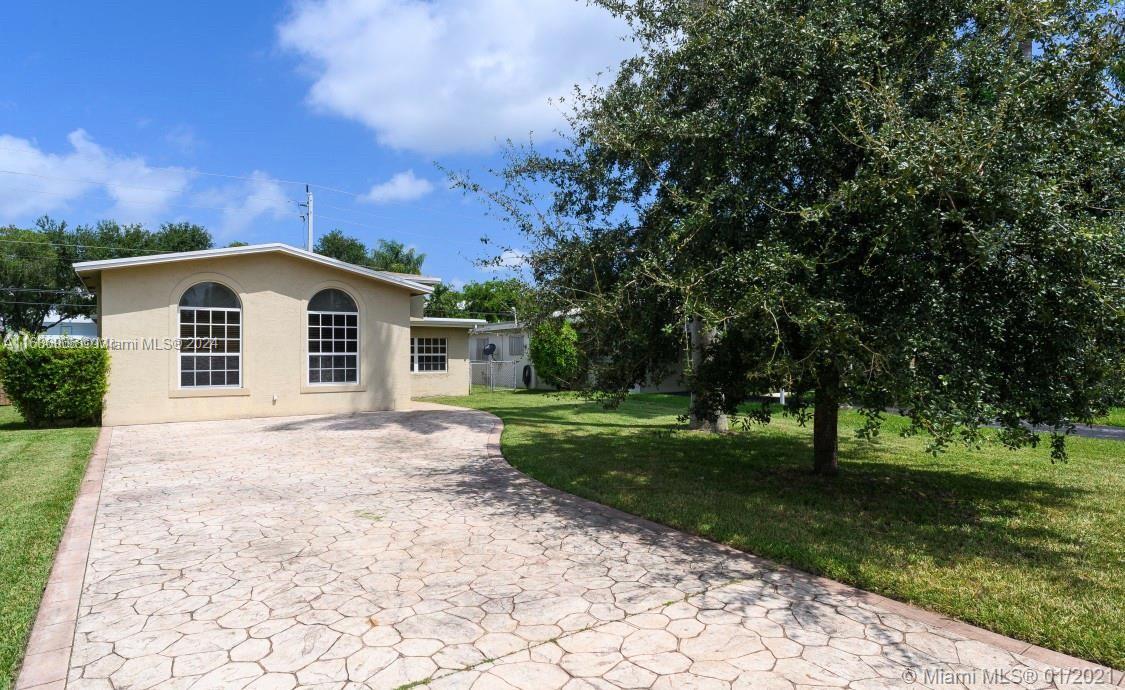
392 549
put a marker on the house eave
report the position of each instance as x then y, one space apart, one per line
438 322
87 270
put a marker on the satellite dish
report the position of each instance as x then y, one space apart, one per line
489 349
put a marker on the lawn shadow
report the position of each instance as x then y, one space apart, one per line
425 422
751 490
754 491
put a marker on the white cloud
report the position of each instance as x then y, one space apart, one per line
184 139
509 260
41 182
84 178
452 75
404 186
247 201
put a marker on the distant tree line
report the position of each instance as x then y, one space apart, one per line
36 274
37 279
386 255
494 300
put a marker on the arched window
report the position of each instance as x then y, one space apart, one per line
210 337
333 338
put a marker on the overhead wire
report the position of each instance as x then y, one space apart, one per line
226 209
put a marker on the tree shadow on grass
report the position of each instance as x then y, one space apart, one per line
754 491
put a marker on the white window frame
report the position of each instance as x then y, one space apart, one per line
181 354
309 354
523 346
444 354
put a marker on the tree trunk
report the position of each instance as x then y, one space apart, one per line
826 415
700 338
825 439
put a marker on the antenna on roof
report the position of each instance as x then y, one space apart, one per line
307 216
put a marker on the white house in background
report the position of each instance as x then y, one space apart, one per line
510 364
75 327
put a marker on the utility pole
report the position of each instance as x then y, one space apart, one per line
308 216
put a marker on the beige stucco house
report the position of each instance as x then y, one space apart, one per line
266 330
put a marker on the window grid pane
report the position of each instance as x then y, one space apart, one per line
333 347
428 354
210 348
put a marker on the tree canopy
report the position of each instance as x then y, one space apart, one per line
879 203
493 300
36 274
391 255
386 255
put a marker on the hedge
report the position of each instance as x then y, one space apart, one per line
53 385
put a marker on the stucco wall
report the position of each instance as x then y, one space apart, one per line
141 302
455 381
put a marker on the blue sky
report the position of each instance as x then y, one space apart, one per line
135 111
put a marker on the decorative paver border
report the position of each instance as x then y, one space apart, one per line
47 659
935 620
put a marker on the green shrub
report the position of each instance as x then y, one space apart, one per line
554 352
55 385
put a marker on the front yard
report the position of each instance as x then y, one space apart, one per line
1116 417
40 470
1005 540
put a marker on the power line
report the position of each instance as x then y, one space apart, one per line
392 231
193 171
86 180
47 304
77 293
228 209
52 243
388 231
381 216
202 173
154 204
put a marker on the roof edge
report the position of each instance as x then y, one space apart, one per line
84 268
441 322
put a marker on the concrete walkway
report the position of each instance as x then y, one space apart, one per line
397 549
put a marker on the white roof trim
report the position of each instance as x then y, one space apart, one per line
439 322
85 268
500 326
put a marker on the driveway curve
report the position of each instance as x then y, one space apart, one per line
396 549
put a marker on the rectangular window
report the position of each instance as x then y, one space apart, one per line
428 354
333 347
515 346
210 348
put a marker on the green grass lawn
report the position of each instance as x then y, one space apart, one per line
1002 539
1116 417
40 470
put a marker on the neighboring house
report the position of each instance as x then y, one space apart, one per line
264 330
513 355
81 327
505 369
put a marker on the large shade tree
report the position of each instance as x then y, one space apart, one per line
874 202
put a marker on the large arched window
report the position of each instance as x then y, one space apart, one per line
333 338
210 337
